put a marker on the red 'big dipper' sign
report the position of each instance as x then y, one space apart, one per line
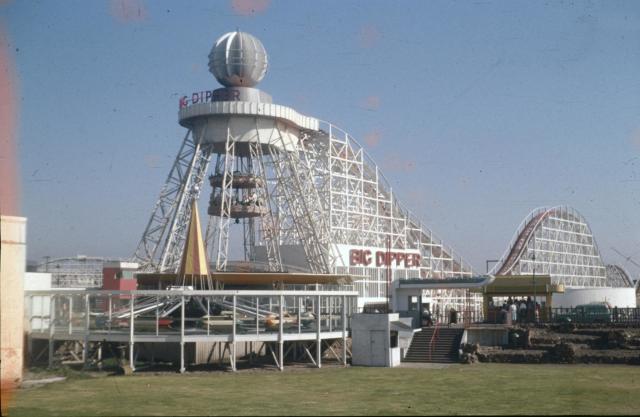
221 94
365 257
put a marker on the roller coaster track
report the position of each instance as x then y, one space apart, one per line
523 237
618 277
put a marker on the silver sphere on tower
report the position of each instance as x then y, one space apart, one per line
238 59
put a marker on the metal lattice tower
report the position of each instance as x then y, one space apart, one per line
298 193
264 176
161 244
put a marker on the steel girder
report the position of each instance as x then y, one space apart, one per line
295 179
365 211
328 192
162 241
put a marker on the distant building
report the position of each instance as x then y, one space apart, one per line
79 272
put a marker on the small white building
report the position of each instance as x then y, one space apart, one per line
616 297
379 339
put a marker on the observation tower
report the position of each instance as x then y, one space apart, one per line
287 191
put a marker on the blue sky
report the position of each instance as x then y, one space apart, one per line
477 112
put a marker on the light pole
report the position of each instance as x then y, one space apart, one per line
388 265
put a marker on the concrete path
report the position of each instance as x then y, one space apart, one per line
426 365
34 382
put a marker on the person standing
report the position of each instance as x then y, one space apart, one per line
530 310
513 309
522 313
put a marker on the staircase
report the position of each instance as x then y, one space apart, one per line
443 348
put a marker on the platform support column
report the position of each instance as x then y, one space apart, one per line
281 335
299 305
182 368
344 330
100 356
208 313
30 332
42 313
131 333
233 336
52 313
485 306
70 314
110 307
318 328
257 314
330 305
87 326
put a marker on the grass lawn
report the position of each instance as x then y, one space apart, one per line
458 389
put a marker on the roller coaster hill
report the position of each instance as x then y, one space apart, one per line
558 242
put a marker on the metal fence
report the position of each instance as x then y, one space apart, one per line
603 315
182 316
464 317
598 314
194 312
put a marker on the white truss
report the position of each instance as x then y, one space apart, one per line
296 176
292 213
224 217
269 227
161 244
327 192
363 211
557 242
617 277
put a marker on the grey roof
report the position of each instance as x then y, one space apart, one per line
398 325
441 283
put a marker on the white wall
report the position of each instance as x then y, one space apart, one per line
13 251
36 308
617 297
364 351
37 281
401 297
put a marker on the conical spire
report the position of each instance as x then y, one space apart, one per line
194 267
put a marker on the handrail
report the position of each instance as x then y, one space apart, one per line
180 292
434 337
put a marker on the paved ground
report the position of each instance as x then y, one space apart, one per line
426 365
